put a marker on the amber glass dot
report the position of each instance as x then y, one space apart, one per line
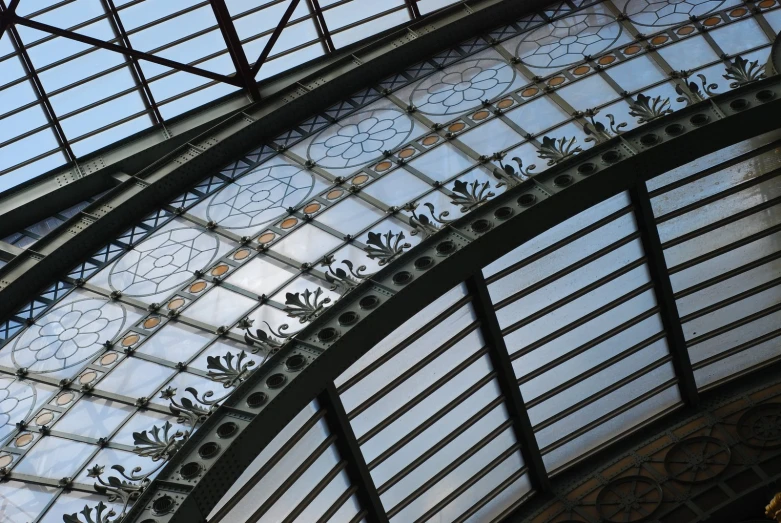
312 208
44 419
129 340
382 166
529 91
504 104
65 398
6 460
241 254
406 153
361 179
606 60
659 40
175 303
456 127
557 80
710 22
333 195
632 49
430 140
683 31
764 4
109 358
266 237
24 440
480 115
88 377
583 69
151 323
288 223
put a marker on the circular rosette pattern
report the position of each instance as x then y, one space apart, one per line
259 196
68 335
568 40
664 13
462 87
163 262
17 400
360 139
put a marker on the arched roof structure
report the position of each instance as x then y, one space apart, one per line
429 300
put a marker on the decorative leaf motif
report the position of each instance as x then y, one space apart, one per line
743 72
343 281
102 515
385 247
471 195
158 443
305 309
556 151
424 225
647 109
690 91
507 175
229 374
186 411
259 337
597 131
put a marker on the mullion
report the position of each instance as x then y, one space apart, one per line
315 491
431 420
434 449
504 485
614 386
604 252
338 504
583 376
493 464
720 223
288 446
405 343
610 415
414 369
731 300
349 449
292 479
451 466
729 191
420 397
725 249
514 402
559 244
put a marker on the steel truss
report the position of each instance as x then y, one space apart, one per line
459 251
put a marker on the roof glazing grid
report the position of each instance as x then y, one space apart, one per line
79 75
350 204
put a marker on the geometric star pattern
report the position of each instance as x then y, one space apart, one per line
163 262
566 41
260 196
68 335
662 13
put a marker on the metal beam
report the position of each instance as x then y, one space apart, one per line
135 68
657 266
274 37
139 55
508 383
41 95
235 49
7 16
322 28
357 470
412 7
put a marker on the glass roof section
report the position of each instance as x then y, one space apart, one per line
195 296
79 75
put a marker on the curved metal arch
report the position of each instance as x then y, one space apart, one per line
458 251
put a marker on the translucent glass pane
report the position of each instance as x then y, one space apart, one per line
175 342
54 458
22 502
220 307
93 417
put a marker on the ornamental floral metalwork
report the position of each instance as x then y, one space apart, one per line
103 514
259 340
305 306
509 177
597 131
424 225
159 444
647 109
743 72
385 247
229 373
558 150
343 281
773 509
186 411
470 195
690 91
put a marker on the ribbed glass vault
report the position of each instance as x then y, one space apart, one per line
554 351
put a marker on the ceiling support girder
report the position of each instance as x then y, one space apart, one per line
235 49
322 28
467 249
128 51
7 16
357 470
665 298
274 37
508 383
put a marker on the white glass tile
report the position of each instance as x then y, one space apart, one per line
54 458
220 307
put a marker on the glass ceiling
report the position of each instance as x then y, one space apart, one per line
79 75
95 366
